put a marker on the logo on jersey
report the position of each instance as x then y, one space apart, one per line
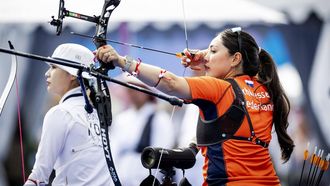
249 83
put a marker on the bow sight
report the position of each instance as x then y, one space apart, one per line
99 39
102 20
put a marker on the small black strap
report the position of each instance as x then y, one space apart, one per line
256 141
146 135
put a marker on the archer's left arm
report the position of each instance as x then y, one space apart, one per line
153 76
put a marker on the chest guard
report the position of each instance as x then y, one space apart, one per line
225 126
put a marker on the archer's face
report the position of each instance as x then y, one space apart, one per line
58 81
218 59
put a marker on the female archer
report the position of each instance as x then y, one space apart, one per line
70 141
240 99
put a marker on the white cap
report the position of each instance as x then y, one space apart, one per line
76 53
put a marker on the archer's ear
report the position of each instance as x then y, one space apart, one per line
237 59
73 78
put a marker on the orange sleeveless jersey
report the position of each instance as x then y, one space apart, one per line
237 162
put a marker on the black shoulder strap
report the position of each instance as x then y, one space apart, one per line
224 127
239 94
240 97
146 135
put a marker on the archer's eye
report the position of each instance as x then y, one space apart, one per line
53 66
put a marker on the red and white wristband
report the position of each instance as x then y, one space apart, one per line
136 71
160 77
128 63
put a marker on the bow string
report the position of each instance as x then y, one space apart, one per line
183 74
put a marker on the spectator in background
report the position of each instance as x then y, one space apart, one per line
186 135
141 125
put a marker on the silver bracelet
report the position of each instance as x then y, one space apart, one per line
128 63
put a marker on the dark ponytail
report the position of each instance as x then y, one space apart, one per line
268 77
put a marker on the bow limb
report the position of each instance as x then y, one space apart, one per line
5 95
14 62
102 23
102 93
101 30
10 82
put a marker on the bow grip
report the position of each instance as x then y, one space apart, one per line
105 67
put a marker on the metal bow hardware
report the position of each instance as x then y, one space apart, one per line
102 100
101 21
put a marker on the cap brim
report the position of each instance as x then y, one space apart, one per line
70 70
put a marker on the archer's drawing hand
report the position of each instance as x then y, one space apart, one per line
195 59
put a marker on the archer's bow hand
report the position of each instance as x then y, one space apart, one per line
195 59
108 54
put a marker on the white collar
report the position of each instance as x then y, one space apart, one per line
70 92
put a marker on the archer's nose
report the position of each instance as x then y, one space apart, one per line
47 73
206 58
